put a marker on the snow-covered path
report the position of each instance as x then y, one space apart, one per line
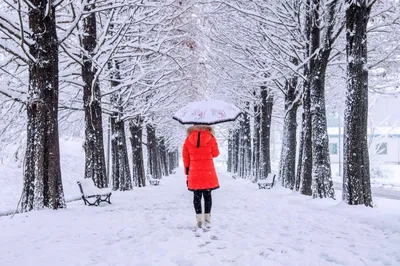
152 226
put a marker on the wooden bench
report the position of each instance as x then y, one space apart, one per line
264 183
88 191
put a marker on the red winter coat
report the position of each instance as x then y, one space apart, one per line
198 152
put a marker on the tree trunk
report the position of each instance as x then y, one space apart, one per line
241 146
266 118
304 168
172 161
235 159
95 166
256 141
321 168
42 177
121 175
230 151
139 173
162 151
153 165
176 158
356 175
305 161
246 133
300 159
287 169
322 176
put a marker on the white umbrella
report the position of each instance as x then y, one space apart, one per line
207 112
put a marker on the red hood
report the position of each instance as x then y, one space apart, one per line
205 137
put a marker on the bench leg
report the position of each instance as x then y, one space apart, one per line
87 202
84 200
107 199
98 200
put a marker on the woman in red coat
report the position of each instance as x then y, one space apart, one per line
199 149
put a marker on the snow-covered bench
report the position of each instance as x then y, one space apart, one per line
88 190
266 183
152 181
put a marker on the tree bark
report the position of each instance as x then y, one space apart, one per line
256 141
162 151
241 147
121 175
153 162
300 158
173 162
322 176
287 169
42 177
246 133
95 166
139 173
244 146
266 119
356 175
230 151
235 157
305 160
321 168
177 157
304 169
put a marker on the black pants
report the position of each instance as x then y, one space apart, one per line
197 195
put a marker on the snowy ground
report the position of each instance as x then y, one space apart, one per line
153 226
383 176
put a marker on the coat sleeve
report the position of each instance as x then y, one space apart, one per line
214 148
186 158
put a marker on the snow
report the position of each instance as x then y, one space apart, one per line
90 189
154 226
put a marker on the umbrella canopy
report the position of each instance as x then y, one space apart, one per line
208 112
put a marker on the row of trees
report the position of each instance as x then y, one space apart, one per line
130 64
117 59
285 49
